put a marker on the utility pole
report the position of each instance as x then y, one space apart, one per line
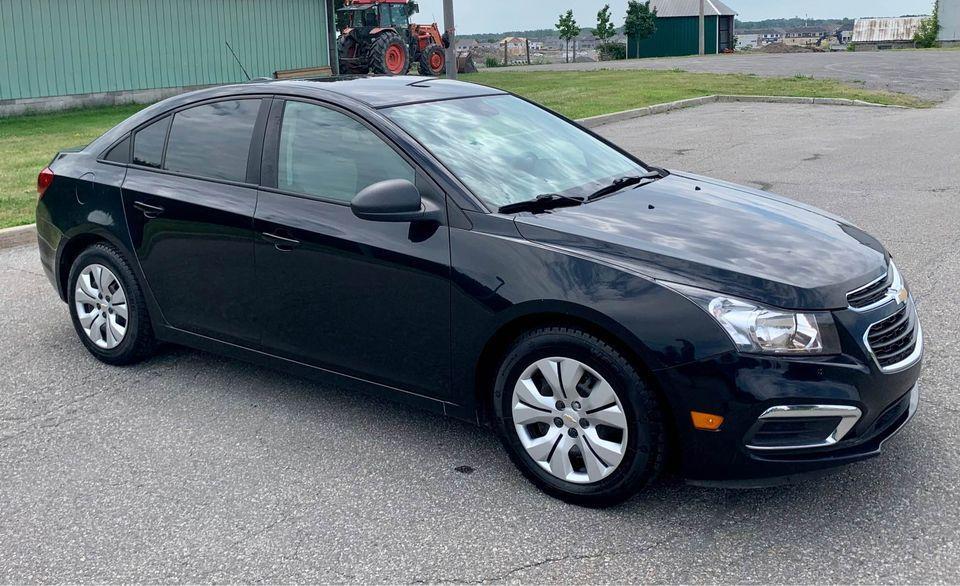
451 30
703 41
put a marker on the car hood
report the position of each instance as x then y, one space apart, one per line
720 236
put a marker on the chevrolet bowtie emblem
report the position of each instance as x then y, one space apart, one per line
901 295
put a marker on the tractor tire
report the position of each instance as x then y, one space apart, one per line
433 61
388 55
347 49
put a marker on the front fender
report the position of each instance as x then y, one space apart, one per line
500 278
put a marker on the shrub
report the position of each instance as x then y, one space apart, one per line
929 30
612 51
492 62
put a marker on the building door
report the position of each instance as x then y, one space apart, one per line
725 34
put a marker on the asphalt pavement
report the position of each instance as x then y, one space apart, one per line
929 74
195 468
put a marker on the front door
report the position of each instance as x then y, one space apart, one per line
189 204
366 299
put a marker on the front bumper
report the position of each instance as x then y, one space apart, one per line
851 404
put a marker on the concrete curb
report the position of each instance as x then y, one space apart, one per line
595 121
19 236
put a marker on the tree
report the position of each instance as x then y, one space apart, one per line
929 31
569 30
641 22
605 30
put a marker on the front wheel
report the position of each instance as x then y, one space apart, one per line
433 61
577 419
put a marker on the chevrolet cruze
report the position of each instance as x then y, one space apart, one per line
467 251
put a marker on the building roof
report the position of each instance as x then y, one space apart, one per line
883 30
807 30
675 8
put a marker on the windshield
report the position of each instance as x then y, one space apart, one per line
506 150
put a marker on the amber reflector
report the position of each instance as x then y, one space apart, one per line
706 421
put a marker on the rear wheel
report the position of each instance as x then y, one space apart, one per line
433 61
577 419
107 307
388 55
347 48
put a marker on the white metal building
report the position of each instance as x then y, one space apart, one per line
950 21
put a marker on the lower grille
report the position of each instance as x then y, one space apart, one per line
894 339
799 427
787 433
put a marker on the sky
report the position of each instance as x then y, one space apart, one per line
491 16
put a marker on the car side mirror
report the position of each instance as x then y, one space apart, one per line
395 200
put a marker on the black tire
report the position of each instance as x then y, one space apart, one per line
347 48
138 341
428 57
384 44
643 457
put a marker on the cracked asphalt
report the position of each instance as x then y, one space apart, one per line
929 74
194 468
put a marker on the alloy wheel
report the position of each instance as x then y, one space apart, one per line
101 306
569 420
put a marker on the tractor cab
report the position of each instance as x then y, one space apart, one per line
376 36
371 15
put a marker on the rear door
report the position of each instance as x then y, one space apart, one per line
368 299
189 198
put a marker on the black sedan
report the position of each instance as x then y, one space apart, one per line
460 248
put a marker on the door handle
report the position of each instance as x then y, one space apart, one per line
149 211
281 243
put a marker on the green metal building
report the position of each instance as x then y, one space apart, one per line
678 29
63 53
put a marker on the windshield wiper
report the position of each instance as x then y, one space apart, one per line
624 182
542 203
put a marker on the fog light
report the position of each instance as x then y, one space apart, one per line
706 421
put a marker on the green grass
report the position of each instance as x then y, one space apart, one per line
27 143
584 94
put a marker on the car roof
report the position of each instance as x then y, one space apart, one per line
371 90
376 91
381 91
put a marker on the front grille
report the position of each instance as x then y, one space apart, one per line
872 293
894 339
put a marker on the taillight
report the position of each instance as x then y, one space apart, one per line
44 180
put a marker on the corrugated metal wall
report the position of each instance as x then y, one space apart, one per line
63 47
950 20
676 37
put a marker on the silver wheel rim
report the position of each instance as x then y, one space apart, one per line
101 306
569 420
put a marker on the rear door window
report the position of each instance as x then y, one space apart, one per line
148 144
213 140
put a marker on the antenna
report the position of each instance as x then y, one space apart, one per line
238 60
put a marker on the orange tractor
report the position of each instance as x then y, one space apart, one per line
376 36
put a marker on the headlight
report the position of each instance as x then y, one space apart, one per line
766 330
